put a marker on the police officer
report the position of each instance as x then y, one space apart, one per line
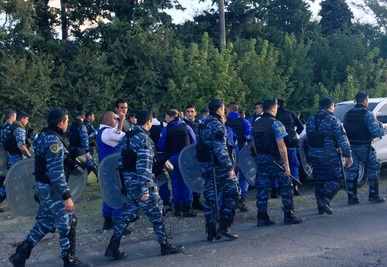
78 137
136 163
242 129
294 128
92 166
56 206
190 120
10 117
218 173
269 147
325 136
173 138
362 127
16 140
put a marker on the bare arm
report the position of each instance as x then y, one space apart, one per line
24 150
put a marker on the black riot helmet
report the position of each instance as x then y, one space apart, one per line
79 165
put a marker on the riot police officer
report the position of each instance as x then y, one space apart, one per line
270 150
92 166
136 164
325 136
362 127
218 173
56 206
294 128
78 137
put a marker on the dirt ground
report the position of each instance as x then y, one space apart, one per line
13 229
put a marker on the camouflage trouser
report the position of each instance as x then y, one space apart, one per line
266 172
51 214
359 154
327 175
227 190
133 204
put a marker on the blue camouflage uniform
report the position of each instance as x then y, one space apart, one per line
182 195
326 160
91 132
136 183
213 136
362 127
5 129
52 189
20 136
79 138
266 154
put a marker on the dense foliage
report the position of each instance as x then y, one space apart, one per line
131 49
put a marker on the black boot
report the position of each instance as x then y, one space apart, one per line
353 200
112 251
167 207
241 205
177 211
73 261
211 232
196 204
223 230
108 224
167 248
295 189
23 252
324 204
376 199
290 218
187 211
263 219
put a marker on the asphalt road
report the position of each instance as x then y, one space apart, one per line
352 236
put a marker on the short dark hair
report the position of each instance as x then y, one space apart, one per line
120 101
268 103
361 96
143 116
173 113
9 112
190 106
215 104
326 102
89 113
281 102
233 106
21 114
204 110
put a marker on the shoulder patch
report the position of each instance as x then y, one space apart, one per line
282 130
54 148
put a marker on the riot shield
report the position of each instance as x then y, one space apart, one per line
109 181
190 170
247 164
3 161
20 181
306 167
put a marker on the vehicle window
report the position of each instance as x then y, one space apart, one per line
342 109
382 114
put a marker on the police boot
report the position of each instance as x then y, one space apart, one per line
167 248
375 198
167 207
177 211
211 232
290 218
224 231
187 211
23 252
73 261
108 224
112 251
263 219
241 205
353 200
323 203
295 189
196 204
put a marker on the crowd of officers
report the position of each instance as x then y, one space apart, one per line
141 138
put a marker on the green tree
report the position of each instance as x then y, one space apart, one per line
335 16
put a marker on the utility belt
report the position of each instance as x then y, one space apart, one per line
359 142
